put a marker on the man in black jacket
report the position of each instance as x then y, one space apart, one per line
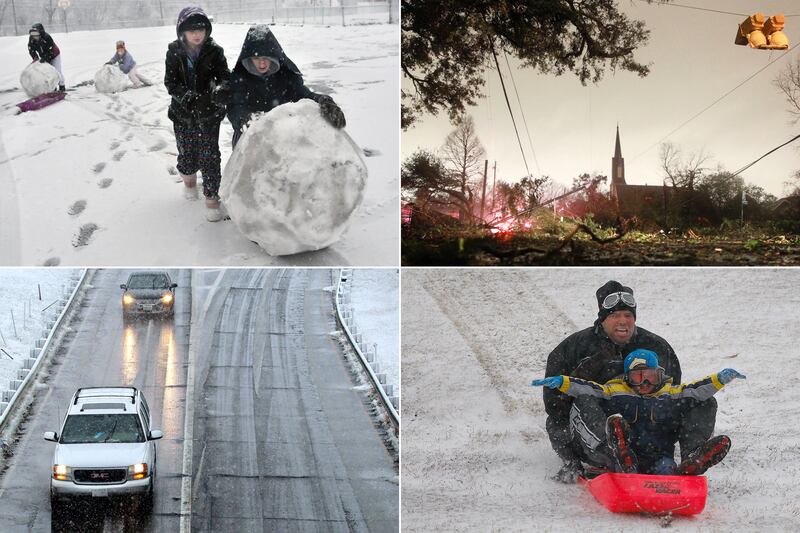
577 427
264 78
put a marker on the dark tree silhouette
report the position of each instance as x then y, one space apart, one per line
447 45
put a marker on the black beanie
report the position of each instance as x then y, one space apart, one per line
609 288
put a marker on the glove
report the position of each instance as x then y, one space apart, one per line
221 95
727 375
553 382
332 112
569 472
188 99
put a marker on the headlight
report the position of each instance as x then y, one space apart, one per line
167 298
62 472
137 471
127 299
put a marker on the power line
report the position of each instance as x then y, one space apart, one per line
765 155
670 4
514 122
715 102
522 112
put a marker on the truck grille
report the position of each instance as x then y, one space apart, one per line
116 475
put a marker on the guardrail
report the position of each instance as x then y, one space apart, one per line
391 403
30 365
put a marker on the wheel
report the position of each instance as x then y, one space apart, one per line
146 501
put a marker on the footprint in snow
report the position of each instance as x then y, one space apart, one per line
129 137
52 262
118 155
105 183
158 146
114 145
172 170
84 234
77 207
98 168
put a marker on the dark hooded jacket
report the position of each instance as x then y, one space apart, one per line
253 93
591 355
44 47
182 75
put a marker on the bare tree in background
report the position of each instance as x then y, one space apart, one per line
679 171
463 155
788 82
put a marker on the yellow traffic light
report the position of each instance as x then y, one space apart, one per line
764 33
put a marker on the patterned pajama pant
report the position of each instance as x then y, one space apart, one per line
198 149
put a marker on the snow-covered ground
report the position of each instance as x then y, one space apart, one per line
22 318
375 297
91 180
476 456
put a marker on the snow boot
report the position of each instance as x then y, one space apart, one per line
190 186
216 211
707 455
618 433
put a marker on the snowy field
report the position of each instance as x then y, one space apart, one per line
375 295
91 180
476 456
22 318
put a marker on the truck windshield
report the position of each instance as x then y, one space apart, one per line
84 429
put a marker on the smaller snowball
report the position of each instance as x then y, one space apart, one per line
110 79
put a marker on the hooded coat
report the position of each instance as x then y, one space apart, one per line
44 47
201 76
253 93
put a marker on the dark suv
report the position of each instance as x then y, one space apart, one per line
146 293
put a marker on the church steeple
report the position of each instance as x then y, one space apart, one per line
618 164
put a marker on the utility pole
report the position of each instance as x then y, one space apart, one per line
744 203
494 185
14 13
483 196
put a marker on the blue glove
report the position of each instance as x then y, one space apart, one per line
727 375
553 382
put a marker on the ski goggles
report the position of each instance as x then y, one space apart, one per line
614 298
639 376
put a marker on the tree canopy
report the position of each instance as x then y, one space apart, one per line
448 44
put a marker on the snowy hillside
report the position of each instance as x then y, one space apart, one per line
91 180
375 295
476 456
23 312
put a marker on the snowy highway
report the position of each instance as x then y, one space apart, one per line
277 438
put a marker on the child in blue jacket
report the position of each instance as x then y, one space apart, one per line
643 412
128 66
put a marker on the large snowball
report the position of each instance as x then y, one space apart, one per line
39 78
110 79
293 180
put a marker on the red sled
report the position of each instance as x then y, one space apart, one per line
642 493
38 102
